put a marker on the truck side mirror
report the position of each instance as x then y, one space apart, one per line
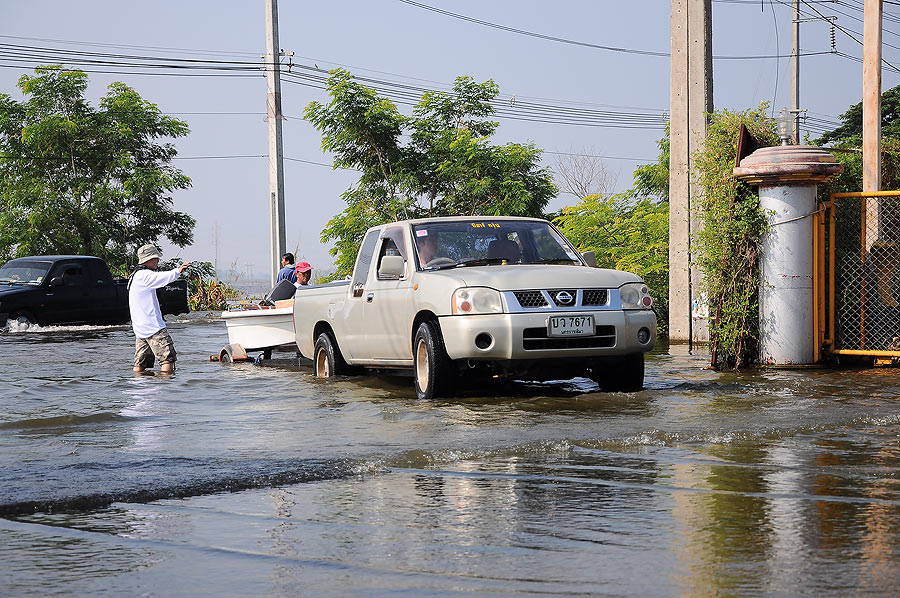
392 266
591 258
56 281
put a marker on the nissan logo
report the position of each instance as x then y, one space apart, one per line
564 298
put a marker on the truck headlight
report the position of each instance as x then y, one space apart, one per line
635 295
476 300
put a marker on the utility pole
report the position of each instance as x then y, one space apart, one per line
872 16
216 243
691 94
795 69
276 147
872 21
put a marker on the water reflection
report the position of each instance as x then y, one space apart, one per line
704 483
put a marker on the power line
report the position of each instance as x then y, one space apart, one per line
532 33
564 40
506 108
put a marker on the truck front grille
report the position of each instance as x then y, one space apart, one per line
530 299
536 339
564 297
595 297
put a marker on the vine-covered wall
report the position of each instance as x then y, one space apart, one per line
727 246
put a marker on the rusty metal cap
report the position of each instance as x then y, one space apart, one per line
788 165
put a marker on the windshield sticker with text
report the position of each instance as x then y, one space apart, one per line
485 225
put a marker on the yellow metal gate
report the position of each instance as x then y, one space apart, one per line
857 275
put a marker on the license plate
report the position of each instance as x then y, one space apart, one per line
570 326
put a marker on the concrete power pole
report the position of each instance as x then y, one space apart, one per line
276 147
691 95
795 69
872 21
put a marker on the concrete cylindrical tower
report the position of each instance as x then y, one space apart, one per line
787 177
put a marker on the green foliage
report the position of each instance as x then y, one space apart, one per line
626 232
850 131
205 291
727 247
846 143
848 153
83 180
437 162
652 180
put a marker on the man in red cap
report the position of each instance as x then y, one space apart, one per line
304 274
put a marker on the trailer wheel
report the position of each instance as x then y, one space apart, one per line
433 370
233 352
327 358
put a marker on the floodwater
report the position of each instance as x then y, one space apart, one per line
263 480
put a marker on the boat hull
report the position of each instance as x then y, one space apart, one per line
261 328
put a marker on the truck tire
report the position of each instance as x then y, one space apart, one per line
624 375
327 358
432 368
23 318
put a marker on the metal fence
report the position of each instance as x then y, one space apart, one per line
857 275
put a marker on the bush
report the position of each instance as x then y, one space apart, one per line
727 247
205 291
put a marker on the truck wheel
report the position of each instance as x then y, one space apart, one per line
433 369
22 318
327 358
625 375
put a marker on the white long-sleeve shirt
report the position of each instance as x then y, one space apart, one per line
146 317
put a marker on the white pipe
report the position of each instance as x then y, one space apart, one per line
786 276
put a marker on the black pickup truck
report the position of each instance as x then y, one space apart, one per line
72 289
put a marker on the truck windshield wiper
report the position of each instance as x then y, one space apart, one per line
480 261
557 260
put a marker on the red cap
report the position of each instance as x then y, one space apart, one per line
302 267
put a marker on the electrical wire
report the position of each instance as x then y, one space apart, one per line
564 40
505 107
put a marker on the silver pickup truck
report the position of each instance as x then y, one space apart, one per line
467 297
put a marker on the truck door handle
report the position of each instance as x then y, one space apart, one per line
370 297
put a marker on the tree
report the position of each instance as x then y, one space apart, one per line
584 174
627 232
83 180
437 162
845 141
652 180
850 130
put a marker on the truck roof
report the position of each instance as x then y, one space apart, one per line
457 219
56 258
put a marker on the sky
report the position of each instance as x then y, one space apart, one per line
404 42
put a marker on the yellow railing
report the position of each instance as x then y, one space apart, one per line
825 278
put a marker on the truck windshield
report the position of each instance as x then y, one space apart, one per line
24 272
484 242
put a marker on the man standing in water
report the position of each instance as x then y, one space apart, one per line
152 337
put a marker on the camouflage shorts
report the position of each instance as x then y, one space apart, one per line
159 345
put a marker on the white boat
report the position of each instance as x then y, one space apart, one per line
259 328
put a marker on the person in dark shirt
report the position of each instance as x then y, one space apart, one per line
287 271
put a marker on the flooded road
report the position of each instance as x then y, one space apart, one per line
250 480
